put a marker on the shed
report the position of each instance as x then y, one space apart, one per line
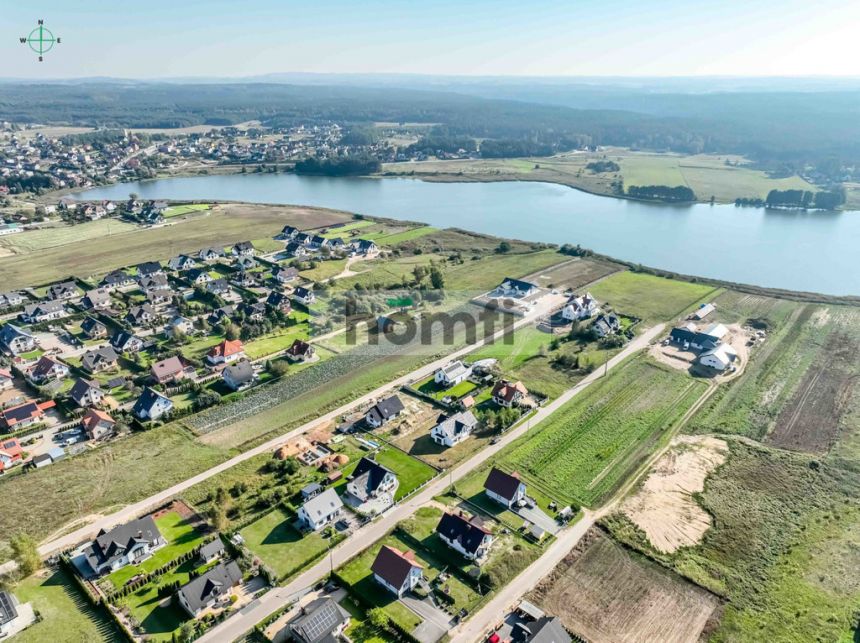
56 454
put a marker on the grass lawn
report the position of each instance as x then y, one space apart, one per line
586 448
484 274
66 614
340 231
274 539
654 299
325 270
36 240
179 210
525 344
276 342
407 235
411 472
360 630
437 391
161 620
181 537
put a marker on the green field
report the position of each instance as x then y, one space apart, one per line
188 208
227 224
438 391
325 270
408 235
117 474
589 446
654 299
283 549
45 238
276 342
65 612
706 175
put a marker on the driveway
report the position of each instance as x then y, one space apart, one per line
436 621
537 516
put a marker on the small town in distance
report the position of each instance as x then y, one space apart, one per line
338 324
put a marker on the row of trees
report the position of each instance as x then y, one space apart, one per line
341 166
677 194
805 199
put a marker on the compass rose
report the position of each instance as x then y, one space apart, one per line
41 40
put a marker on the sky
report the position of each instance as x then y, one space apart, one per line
170 38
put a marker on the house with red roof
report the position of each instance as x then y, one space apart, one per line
226 352
27 414
97 424
509 394
11 453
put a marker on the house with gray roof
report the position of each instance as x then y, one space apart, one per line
16 340
209 588
123 545
321 510
383 411
321 621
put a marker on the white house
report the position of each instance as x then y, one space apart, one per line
209 588
320 510
581 307
468 537
383 411
126 544
451 430
452 374
151 405
304 296
504 488
371 487
516 288
719 358
396 571
508 394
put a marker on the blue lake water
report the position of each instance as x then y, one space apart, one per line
811 251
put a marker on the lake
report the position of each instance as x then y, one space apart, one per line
811 251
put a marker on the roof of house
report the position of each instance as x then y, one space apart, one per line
101 354
91 323
211 585
167 367
43 307
323 504
507 391
455 424
547 629
212 548
366 478
93 416
8 611
45 366
454 369
277 299
62 289
110 545
82 386
12 447
30 409
299 348
240 372
97 296
214 250
386 409
457 528
519 284
244 245
320 619
716 330
11 331
302 292
147 400
116 277
502 484
148 268
394 566
226 348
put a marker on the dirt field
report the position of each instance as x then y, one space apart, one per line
664 508
574 274
810 420
604 593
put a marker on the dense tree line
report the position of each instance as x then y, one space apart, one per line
603 166
805 199
443 141
677 194
341 166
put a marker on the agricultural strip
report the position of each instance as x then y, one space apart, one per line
606 594
589 446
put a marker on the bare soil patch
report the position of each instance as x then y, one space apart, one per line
604 593
811 420
664 507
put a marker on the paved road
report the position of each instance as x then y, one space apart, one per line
238 624
134 510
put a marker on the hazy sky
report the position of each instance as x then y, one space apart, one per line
155 38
